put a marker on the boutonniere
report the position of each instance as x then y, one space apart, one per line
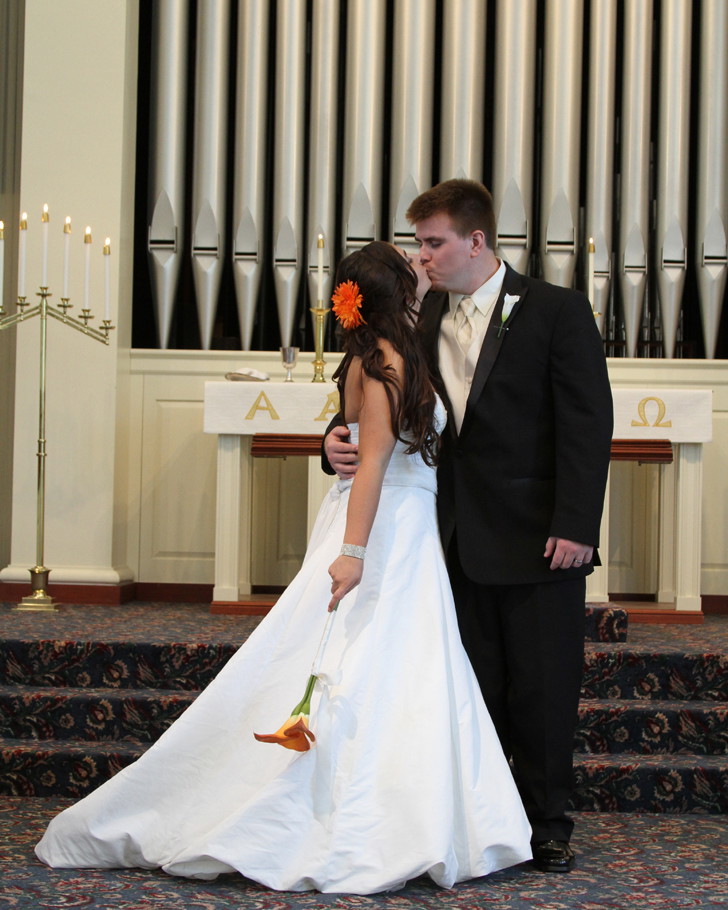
509 301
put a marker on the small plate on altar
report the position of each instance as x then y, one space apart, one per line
246 374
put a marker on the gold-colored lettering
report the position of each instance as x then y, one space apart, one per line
642 411
331 408
262 403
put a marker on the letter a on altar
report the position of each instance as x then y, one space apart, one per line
331 408
262 403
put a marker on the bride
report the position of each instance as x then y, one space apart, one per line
392 768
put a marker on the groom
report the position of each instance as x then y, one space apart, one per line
521 480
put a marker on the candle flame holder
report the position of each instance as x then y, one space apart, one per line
319 312
39 599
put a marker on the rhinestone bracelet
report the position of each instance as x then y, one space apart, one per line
351 549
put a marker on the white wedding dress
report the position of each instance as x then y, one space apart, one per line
406 776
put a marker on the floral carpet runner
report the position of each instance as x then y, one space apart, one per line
85 691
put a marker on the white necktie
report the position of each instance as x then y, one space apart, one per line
466 324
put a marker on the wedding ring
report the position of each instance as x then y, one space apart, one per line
578 562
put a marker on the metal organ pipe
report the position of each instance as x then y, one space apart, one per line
634 198
412 108
330 173
600 149
250 162
561 138
463 89
363 121
167 157
208 184
672 163
288 160
322 132
513 140
712 202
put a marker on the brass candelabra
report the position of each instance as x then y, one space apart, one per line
39 599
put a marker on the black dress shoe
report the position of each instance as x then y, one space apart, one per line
553 856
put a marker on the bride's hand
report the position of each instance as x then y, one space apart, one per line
345 572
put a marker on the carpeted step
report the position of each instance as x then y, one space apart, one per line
141 715
605 622
651 783
68 768
651 727
114 665
613 671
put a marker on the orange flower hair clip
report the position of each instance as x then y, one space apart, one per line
347 300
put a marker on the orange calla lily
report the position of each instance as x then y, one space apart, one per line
294 734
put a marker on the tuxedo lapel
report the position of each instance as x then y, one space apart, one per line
495 336
433 309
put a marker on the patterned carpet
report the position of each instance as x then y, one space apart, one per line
664 861
653 736
165 622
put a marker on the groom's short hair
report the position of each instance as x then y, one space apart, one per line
467 203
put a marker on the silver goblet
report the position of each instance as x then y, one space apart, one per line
289 356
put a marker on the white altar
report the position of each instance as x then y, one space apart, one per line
238 411
685 419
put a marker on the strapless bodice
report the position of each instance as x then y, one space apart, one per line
403 469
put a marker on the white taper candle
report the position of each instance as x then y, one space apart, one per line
107 279
45 219
590 271
320 267
66 256
2 259
87 269
22 253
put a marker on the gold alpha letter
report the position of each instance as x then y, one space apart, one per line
262 403
331 408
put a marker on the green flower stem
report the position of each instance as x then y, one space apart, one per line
304 706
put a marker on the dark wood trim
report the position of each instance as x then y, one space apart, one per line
88 595
642 598
645 608
165 592
254 605
715 604
276 445
644 451
655 614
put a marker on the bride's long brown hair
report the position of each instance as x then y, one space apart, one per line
388 286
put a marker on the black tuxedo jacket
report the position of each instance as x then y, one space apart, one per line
532 456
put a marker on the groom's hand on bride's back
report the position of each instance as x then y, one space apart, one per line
343 455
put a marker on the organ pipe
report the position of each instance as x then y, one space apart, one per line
250 162
208 182
363 121
463 89
672 163
315 137
322 132
561 138
412 108
600 149
712 201
513 140
167 157
288 160
634 197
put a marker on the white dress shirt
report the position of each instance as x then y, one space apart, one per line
456 368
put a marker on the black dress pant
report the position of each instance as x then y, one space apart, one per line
526 645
